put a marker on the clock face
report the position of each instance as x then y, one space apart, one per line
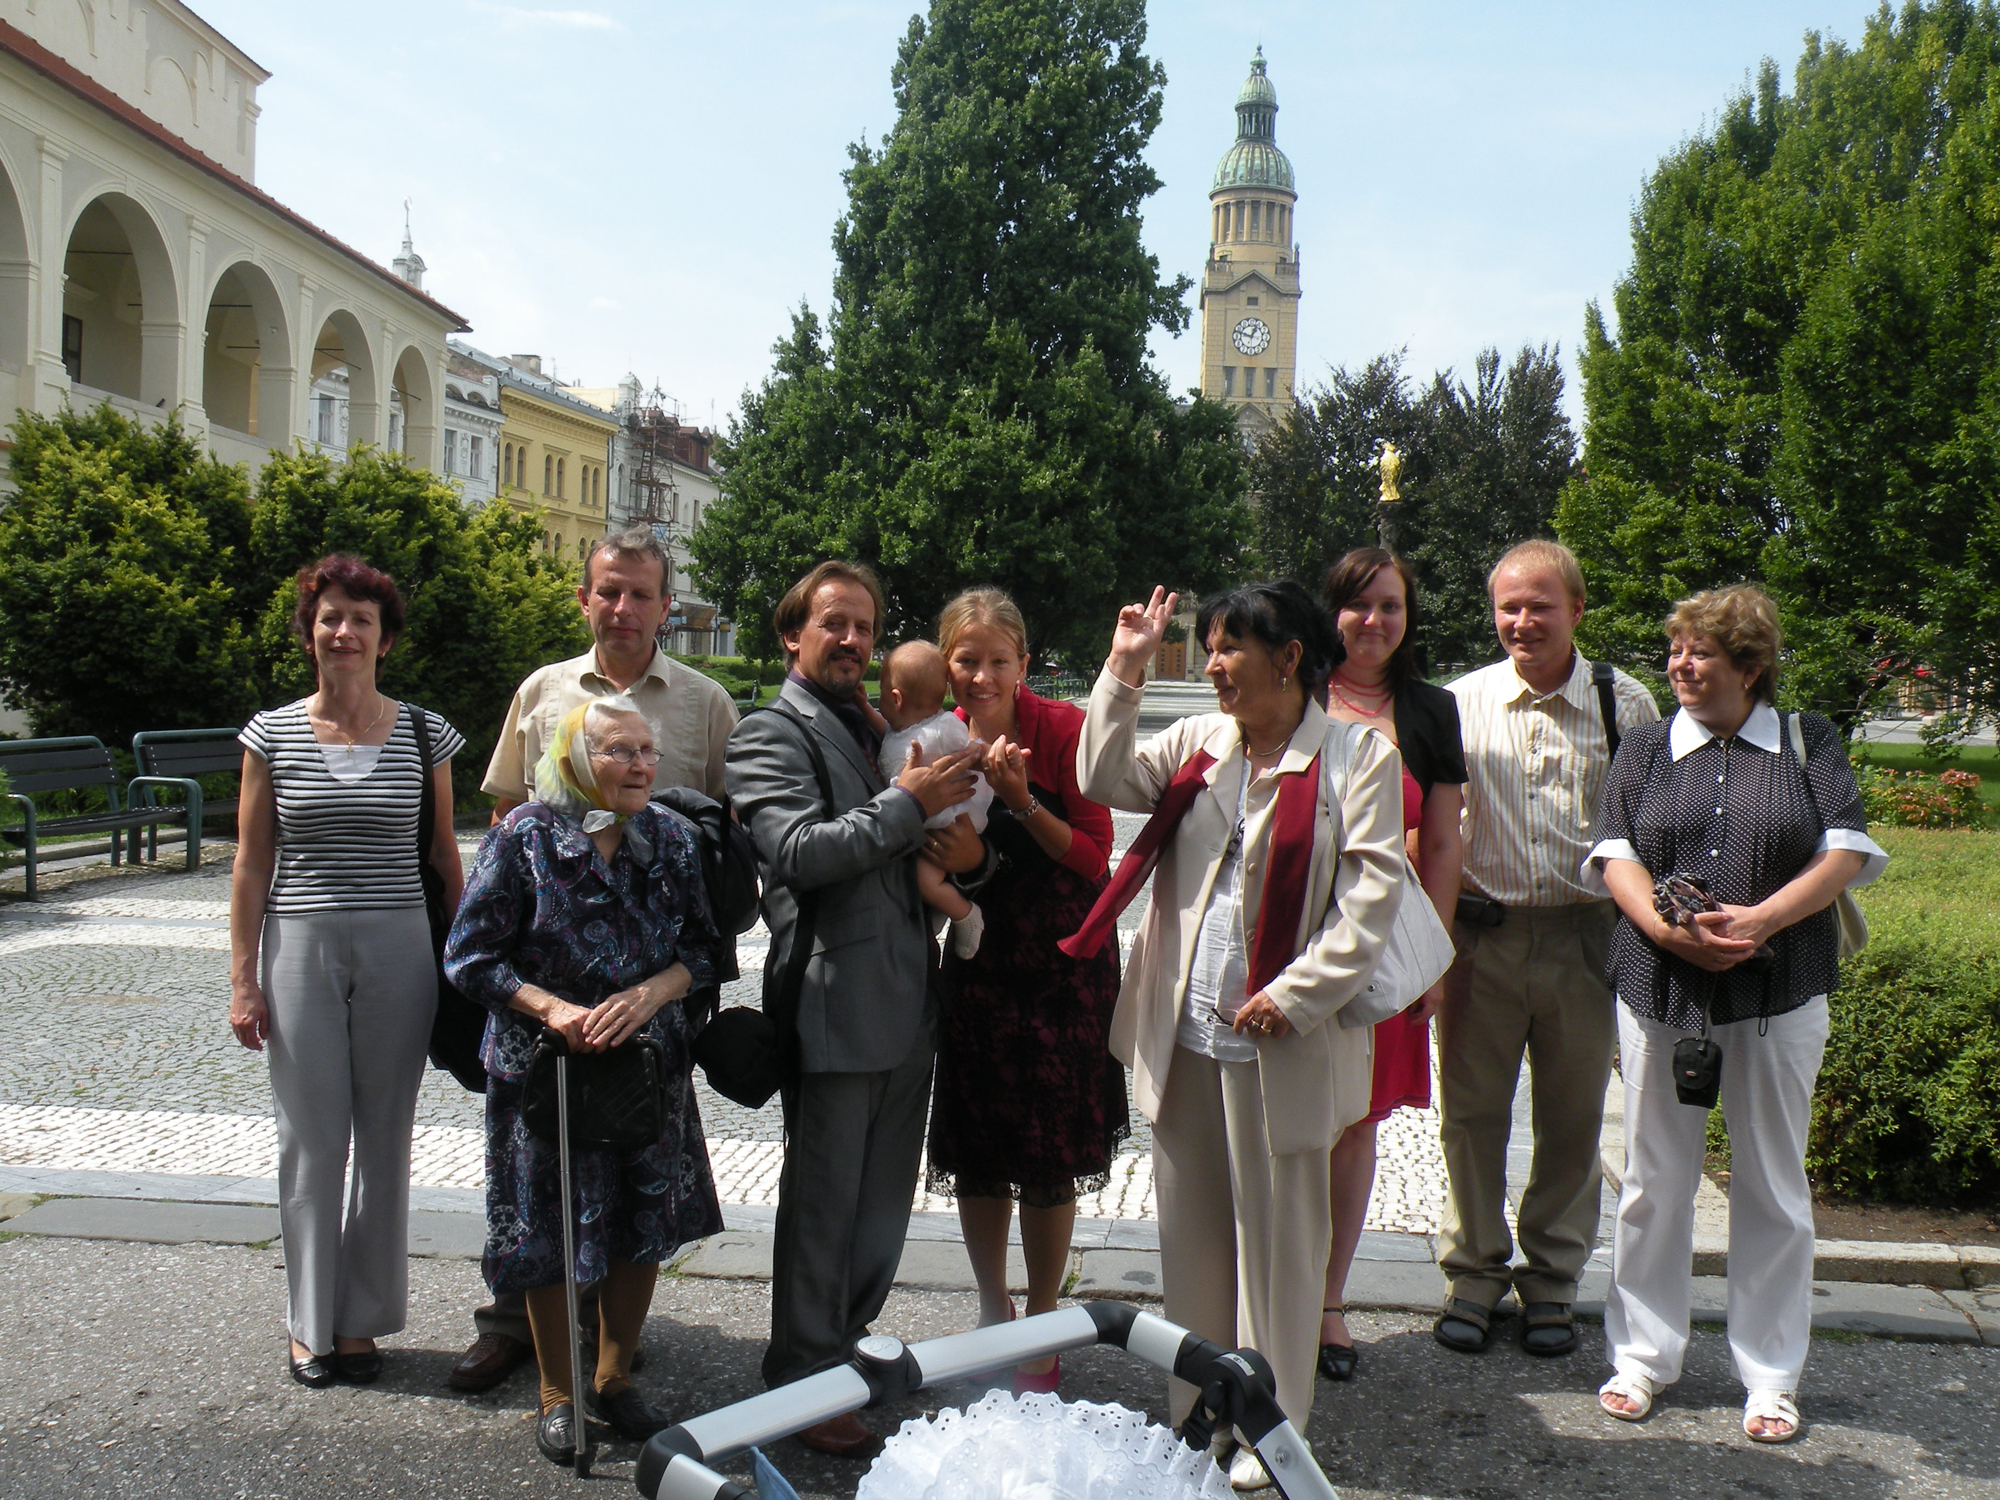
1251 336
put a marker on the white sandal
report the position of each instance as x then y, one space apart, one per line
1771 1406
1635 1388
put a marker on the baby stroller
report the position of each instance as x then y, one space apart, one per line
1236 1391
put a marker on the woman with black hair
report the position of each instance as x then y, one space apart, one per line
1371 595
1276 846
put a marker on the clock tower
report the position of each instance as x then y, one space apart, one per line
1250 289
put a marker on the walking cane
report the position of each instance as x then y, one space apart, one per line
580 1425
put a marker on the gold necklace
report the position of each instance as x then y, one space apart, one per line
334 724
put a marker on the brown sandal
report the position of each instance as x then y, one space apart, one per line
1468 1315
1539 1317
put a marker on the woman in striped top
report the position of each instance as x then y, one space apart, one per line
331 961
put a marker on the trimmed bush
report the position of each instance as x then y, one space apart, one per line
1908 1103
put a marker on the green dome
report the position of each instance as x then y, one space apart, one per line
1255 160
1254 164
1257 88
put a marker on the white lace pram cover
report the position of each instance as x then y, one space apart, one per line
1039 1447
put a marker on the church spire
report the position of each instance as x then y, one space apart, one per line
409 265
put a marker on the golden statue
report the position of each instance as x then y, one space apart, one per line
1391 464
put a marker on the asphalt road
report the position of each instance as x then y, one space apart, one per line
134 1369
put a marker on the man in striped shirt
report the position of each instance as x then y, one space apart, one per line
1537 730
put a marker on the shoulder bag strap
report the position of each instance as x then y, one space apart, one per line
783 1007
427 797
1796 731
1605 676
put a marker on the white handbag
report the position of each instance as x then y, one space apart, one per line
1418 953
1419 950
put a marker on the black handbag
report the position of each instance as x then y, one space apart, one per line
617 1099
459 1027
746 1054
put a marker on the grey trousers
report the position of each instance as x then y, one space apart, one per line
851 1161
352 995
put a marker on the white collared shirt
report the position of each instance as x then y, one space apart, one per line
1535 766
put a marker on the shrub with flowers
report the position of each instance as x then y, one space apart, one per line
1917 799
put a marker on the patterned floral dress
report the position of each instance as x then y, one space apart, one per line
543 906
1029 1101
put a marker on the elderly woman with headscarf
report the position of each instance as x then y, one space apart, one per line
585 914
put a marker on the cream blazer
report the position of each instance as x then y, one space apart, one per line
1316 1080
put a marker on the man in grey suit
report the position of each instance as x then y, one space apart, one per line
867 1018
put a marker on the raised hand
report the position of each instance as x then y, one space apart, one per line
1138 634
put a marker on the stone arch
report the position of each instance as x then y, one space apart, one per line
247 372
121 304
413 389
345 410
16 280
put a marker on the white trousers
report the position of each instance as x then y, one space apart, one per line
1244 1234
1767 1087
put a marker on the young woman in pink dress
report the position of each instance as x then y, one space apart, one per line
1372 596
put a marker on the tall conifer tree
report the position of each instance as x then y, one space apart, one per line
979 407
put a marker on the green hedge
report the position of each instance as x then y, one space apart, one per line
767 673
1908 1104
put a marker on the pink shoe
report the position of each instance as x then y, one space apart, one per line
1043 1384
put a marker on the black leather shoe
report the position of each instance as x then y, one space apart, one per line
555 1434
626 1413
316 1372
1337 1361
364 1368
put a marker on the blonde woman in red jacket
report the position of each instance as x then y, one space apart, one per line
1029 1102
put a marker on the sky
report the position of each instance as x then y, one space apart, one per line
652 187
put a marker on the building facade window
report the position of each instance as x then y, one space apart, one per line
72 347
1229 380
548 473
1271 382
507 463
450 450
475 463
562 479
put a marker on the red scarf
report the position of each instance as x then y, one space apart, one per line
1274 944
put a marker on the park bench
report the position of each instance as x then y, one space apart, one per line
169 758
73 764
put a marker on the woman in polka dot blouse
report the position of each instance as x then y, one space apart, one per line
1764 809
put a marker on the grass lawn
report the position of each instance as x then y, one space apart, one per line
1982 761
1945 878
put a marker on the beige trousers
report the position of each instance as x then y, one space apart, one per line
1534 984
1244 1235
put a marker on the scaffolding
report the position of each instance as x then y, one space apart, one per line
652 430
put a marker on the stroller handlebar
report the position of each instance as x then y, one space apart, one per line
1236 1388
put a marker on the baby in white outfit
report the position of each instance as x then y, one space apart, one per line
912 700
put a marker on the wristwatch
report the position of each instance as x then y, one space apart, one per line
1025 813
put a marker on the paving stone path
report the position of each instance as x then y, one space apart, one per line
114 1057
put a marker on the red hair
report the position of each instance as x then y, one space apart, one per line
354 578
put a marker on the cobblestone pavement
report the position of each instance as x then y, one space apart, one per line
151 1370
114 1057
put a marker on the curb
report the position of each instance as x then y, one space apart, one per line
1948 1268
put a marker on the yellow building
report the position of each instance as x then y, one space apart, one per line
1250 287
554 448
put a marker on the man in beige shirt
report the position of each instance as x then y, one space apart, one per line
1532 944
624 597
